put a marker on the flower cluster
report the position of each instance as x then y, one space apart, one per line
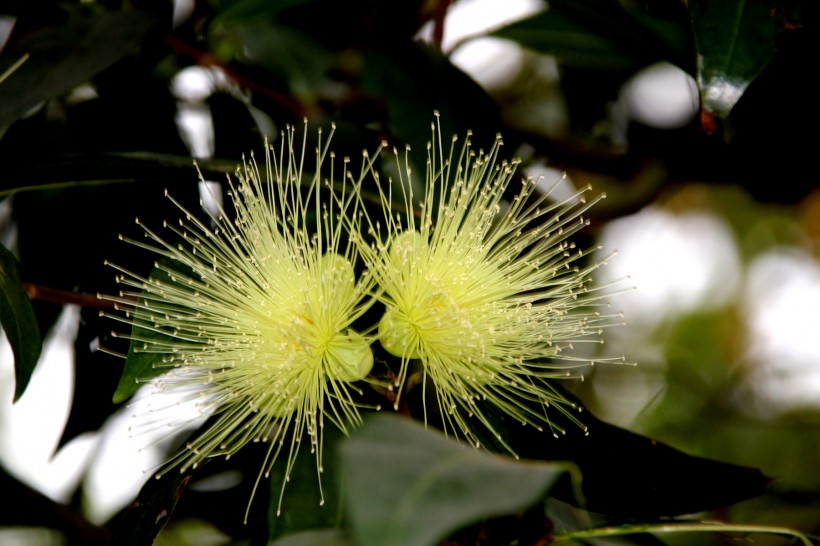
257 314
483 293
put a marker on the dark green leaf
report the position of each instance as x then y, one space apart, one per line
408 486
323 537
253 10
600 35
636 477
88 170
735 41
140 366
296 59
415 81
141 522
70 54
18 321
302 507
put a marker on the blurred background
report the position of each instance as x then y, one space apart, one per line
695 118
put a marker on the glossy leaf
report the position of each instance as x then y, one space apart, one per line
64 56
735 41
18 322
408 486
294 57
639 477
302 507
415 81
141 522
140 366
599 35
55 172
325 537
253 10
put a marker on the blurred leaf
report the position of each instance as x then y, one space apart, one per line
18 321
102 169
67 55
302 506
293 57
141 366
409 486
735 41
191 532
567 518
325 537
414 81
140 523
233 11
600 35
627 475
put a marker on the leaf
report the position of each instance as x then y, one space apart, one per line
18 321
325 537
64 56
237 11
735 41
55 172
141 522
408 486
600 35
141 366
298 61
301 502
627 475
415 81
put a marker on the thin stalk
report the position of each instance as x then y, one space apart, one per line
660 528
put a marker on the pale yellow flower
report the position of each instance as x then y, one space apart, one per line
253 312
485 295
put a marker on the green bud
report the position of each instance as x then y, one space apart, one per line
349 357
397 335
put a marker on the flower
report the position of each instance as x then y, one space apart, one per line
487 297
253 315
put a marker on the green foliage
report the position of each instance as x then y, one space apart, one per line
18 322
735 41
141 522
397 474
306 508
140 367
326 537
601 35
96 42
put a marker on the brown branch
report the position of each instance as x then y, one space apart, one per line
438 22
53 295
204 58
